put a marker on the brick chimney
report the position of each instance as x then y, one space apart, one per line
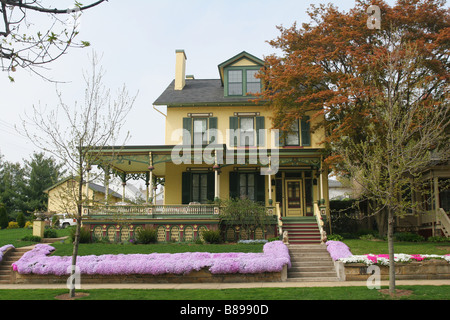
180 69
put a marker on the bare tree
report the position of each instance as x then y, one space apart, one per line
409 129
78 135
23 45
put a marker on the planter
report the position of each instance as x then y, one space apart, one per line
38 228
420 270
201 276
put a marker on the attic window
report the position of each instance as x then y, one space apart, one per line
235 82
242 81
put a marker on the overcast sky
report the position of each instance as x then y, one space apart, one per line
138 40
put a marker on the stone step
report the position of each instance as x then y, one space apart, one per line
312 274
313 279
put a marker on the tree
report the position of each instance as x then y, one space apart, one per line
23 46
369 84
76 136
11 186
41 173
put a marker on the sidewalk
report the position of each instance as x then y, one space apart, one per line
286 284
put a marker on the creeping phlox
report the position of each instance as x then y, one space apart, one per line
340 252
274 256
3 250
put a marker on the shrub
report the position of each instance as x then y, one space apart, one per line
31 238
335 237
50 233
146 235
20 220
28 225
85 235
408 237
212 236
438 239
3 216
13 225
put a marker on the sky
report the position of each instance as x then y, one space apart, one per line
137 41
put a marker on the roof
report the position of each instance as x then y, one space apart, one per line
92 186
207 91
199 92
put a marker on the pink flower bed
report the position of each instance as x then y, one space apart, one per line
3 250
274 256
339 251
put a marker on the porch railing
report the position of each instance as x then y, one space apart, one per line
108 210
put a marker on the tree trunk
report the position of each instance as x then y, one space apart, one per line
391 221
76 242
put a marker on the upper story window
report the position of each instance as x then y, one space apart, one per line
242 81
199 129
298 135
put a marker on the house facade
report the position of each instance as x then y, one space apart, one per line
220 144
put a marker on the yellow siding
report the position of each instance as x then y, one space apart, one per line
174 123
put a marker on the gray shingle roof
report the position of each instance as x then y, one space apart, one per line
199 91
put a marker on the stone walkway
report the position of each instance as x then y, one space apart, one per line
224 285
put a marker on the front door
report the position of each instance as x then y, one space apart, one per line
293 188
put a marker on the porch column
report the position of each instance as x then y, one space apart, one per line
270 183
124 184
436 202
216 178
147 183
106 185
150 168
88 170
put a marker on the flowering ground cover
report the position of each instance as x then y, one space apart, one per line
3 250
38 261
339 251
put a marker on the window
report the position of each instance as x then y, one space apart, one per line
253 83
197 187
293 137
199 131
247 185
200 187
242 82
235 82
247 132
250 185
298 135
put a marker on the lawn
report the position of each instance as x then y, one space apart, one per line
360 247
14 236
307 293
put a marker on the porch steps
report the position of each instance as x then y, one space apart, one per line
311 262
5 264
302 230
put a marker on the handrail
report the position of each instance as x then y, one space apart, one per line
444 220
200 209
319 222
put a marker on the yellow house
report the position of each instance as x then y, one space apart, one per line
62 196
220 144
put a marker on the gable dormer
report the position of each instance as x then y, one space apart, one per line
237 75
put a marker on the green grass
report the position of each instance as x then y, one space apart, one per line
307 293
65 249
359 247
14 236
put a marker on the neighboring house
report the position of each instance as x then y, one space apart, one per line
62 196
432 210
337 191
219 144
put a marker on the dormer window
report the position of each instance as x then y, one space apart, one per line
242 81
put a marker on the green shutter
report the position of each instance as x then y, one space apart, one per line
260 135
234 185
212 129
210 186
260 181
186 183
306 134
187 126
234 125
